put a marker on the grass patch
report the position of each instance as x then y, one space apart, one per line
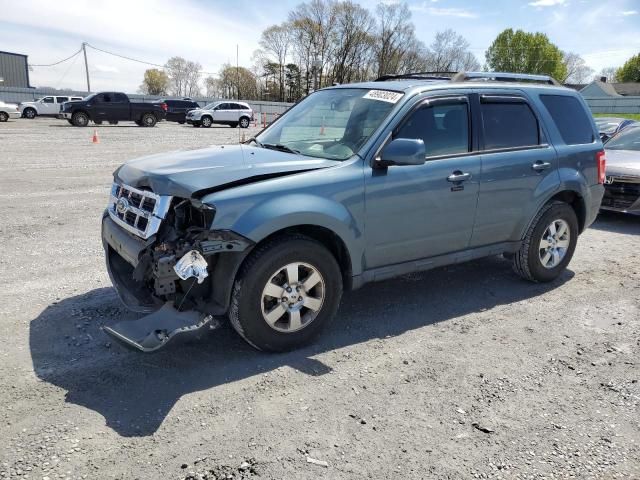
632 116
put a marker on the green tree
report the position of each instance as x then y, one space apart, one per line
523 52
630 71
155 82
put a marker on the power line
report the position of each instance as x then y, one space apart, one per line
57 63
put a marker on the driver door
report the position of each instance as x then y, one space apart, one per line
420 211
48 106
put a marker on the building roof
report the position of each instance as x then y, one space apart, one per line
627 89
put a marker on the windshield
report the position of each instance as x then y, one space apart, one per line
211 105
627 140
331 124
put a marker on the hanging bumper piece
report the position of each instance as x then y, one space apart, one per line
154 331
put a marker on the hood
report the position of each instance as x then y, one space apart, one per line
194 173
623 162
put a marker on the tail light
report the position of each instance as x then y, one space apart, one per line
164 106
601 160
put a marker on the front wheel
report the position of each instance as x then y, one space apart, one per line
80 119
287 291
29 113
549 243
4 116
244 122
206 122
148 120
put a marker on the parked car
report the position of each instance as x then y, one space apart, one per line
48 106
354 184
223 113
113 107
177 109
8 110
622 182
611 126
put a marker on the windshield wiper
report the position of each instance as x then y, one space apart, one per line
254 139
280 147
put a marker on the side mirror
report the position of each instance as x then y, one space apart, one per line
402 151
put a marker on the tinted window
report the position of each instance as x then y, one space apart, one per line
508 124
443 128
63 99
119 98
47 100
104 98
570 117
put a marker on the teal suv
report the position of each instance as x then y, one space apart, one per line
356 183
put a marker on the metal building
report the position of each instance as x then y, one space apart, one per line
14 70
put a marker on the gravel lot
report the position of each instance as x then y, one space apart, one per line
462 372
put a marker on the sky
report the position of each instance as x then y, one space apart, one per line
604 32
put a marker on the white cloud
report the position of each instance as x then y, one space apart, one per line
546 3
629 12
442 12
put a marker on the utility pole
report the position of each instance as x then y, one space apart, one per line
86 65
238 70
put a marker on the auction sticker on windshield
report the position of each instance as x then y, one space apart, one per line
384 95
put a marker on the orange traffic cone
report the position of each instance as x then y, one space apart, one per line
95 138
322 127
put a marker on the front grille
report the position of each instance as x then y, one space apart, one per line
621 195
139 211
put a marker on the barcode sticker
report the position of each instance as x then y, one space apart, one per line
384 95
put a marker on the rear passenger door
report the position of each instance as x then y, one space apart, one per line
518 166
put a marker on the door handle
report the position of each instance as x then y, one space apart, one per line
458 176
540 165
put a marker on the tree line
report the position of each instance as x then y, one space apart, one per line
323 42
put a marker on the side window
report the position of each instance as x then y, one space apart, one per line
104 98
508 123
570 117
63 99
47 100
444 128
119 98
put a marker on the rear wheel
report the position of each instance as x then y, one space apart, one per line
29 113
4 116
206 121
287 291
549 244
148 120
80 119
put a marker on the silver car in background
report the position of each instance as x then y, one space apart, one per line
622 181
223 113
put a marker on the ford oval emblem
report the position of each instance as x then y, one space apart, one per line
122 205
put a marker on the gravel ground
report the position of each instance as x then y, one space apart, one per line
460 372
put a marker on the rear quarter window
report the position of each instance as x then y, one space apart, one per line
508 124
570 118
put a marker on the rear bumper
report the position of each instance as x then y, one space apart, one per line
593 204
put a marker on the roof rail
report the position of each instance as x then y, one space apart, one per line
417 76
505 77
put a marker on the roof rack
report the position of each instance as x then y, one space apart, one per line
505 77
417 76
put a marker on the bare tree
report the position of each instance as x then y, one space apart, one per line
353 41
577 69
610 73
184 76
449 52
275 41
212 87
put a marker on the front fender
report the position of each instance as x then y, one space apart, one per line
295 209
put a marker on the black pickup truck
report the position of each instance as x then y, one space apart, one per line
112 107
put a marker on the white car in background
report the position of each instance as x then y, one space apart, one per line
8 110
223 113
48 106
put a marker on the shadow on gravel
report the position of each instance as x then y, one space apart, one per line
618 223
134 392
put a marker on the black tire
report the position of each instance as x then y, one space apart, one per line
234 125
4 116
527 262
206 121
114 122
80 119
245 312
245 122
70 122
29 113
148 120
98 122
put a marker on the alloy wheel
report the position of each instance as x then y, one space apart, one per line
292 297
554 243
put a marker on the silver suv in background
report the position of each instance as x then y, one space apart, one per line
222 113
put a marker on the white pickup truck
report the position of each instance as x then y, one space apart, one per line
48 106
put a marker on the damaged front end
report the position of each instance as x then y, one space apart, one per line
164 260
